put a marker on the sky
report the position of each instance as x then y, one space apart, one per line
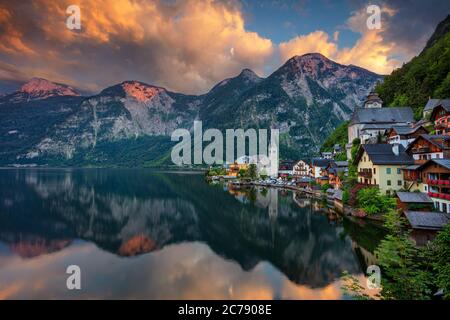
188 46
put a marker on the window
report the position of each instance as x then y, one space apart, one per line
425 188
389 182
374 171
399 171
388 170
399 183
374 181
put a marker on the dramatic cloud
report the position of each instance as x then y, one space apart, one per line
317 41
370 51
183 45
188 45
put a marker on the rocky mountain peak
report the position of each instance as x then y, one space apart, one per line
140 91
39 88
249 75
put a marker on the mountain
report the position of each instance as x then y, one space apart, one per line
305 99
129 124
425 76
38 89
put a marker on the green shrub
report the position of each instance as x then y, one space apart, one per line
373 202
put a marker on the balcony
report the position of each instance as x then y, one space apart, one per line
421 150
438 182
437 195
365 174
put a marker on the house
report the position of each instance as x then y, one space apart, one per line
427 220
234 168
426 224
336 170
327 155
440 116
286 168
404 135
317 166
426 147
381 165
435 177
372 121
337 149
418 201
429 107
412 178
302 169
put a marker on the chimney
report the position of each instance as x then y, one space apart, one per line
395 149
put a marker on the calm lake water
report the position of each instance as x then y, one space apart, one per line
140 234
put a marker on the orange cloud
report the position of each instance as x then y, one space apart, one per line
371 51
317 41
186 46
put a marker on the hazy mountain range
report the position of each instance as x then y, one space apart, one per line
130 123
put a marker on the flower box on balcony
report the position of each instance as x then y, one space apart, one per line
441 182
447 197
441 196
447 182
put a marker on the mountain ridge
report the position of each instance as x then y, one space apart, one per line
307 97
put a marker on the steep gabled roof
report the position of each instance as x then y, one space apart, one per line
320 162
439 140
427 220
444 104
403 130
383 154
382 115
431 104
441 162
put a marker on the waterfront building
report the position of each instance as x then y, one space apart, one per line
381 165
317 166
302 169
286 168
425 224
418 201
336 171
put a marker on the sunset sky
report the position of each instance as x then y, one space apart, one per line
188 46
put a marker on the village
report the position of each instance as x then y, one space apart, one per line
389 158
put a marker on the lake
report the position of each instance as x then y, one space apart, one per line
142 234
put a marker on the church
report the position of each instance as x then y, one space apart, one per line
371 121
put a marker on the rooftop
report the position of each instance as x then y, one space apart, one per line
427 220
414 197
320 162
432 103
383 115
442 162
383 154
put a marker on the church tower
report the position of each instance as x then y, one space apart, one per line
373 101
273 153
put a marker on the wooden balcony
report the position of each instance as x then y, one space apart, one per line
365 174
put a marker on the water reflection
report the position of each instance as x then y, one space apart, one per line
201 241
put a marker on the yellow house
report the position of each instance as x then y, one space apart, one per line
381 165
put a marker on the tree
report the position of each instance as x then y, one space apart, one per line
252 171
373 202
404 275
439 255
